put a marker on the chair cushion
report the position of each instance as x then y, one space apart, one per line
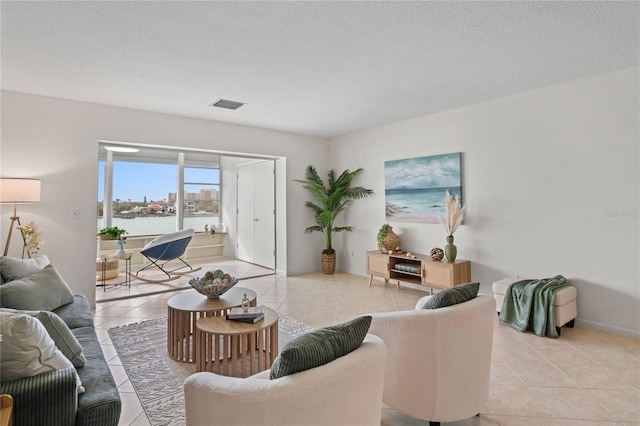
453 296
44 290
166 238
59 332
320 347
27 349
12 268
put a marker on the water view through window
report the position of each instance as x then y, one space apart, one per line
144 199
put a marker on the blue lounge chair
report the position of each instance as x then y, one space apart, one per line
166 248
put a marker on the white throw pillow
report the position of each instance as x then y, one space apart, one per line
27 350
62 336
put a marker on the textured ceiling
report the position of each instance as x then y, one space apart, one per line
318 68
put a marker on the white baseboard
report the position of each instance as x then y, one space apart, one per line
635 334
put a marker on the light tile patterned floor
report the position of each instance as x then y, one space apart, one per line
586 377
115 289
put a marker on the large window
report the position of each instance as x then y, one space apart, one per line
142 190
201 196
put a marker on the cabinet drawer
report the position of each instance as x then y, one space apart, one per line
378 265
445 275
437 276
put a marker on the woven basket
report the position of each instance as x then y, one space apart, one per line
328 263
111 269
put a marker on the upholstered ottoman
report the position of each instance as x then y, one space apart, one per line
565 306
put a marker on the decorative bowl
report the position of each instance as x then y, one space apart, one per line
437 253
213 284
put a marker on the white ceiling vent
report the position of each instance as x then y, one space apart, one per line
227 104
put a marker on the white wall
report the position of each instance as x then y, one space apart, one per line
551 185
550 180
56 140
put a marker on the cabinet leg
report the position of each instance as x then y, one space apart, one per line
398 285
370 280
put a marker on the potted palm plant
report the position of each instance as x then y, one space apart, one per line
332 198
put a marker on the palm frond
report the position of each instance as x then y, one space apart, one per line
342 228
331 198
316 228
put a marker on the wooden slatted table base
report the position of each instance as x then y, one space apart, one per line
6 410
186 308
236 349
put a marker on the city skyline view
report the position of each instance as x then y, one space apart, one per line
135 180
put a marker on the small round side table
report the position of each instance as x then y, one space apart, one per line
238 349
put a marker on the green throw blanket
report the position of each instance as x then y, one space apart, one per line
528 305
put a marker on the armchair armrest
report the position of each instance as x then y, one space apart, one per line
51 395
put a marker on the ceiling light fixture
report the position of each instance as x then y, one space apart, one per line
226 104
121 149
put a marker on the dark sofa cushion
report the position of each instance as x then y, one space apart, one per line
100 404
76 314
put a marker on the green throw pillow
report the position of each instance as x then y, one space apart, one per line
44 290
453 296
12 268
64 339
320 347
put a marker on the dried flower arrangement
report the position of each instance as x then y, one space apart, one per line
31 233
453 213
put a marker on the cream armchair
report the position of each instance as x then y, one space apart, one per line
346 391
438 360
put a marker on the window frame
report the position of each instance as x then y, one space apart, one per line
181 158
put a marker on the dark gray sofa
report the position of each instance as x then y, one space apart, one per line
51 398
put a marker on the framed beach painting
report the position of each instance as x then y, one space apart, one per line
415 188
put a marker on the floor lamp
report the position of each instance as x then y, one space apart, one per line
18 191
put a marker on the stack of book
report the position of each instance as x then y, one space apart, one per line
252 315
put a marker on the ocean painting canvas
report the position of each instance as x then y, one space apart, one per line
415 188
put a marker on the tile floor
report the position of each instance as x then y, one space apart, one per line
586 377
115 290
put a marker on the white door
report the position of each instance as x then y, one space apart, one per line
256 213
246 204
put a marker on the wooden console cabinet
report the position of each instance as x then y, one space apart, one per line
418 269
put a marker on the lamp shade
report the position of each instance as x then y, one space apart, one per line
17 190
